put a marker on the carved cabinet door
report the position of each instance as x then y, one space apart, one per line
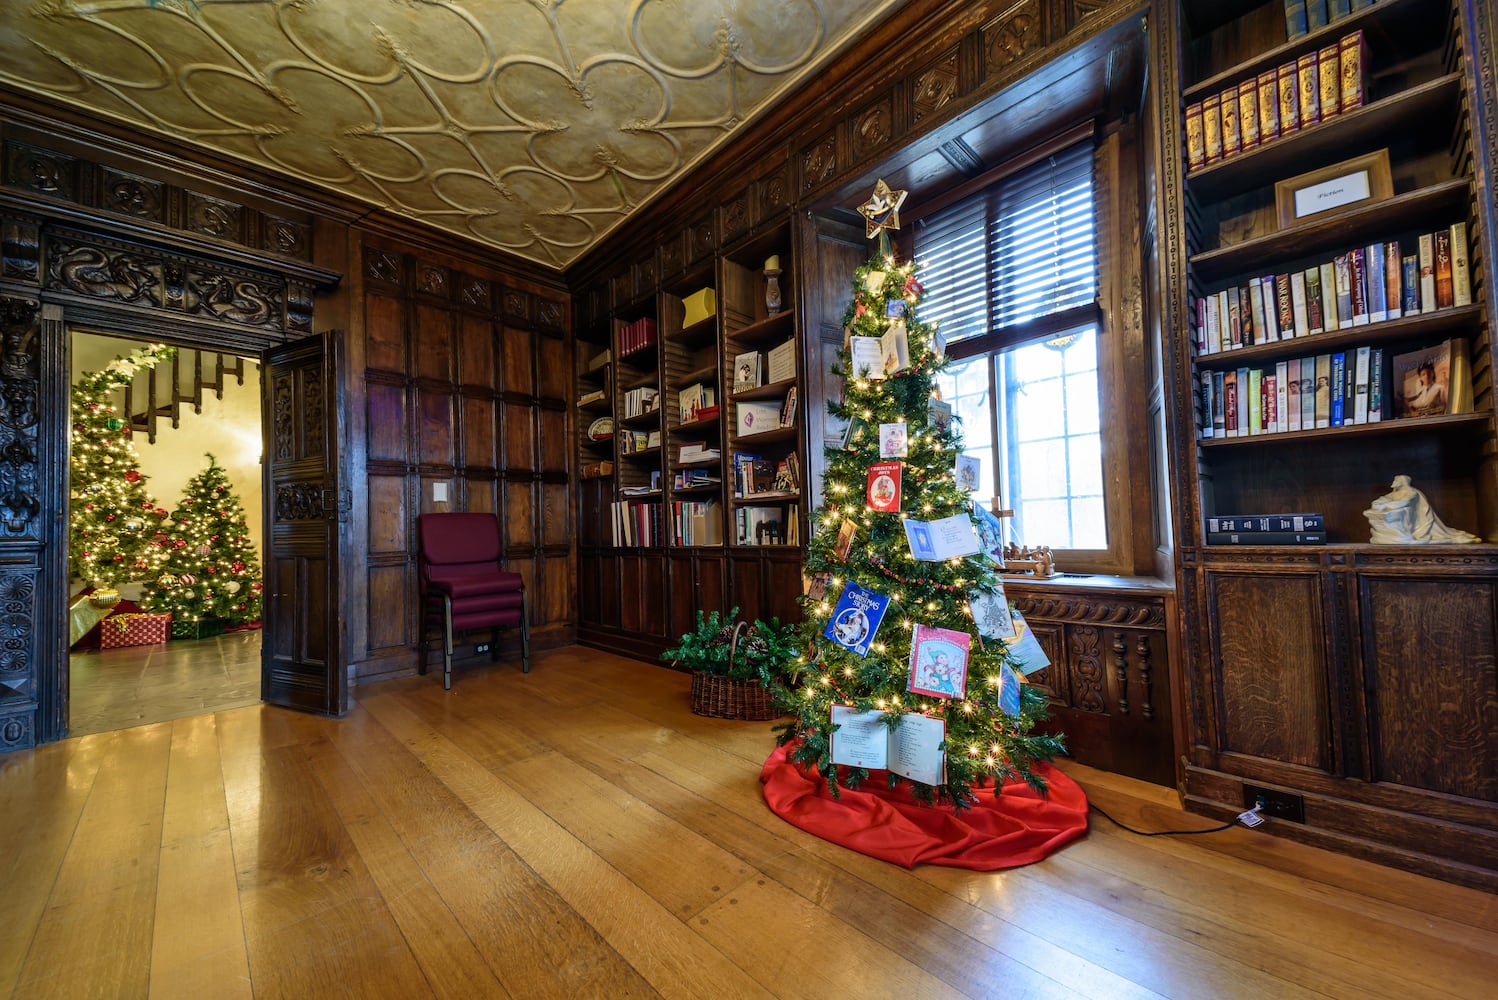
306 511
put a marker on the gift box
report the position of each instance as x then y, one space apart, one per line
133 629
203 628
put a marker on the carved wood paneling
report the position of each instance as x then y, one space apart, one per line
934 87
20 382
819 161
873 128
1011 36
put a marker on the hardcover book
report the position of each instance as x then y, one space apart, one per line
1444 290
1323 392
856 618
1203 397
1342 265
1248 112
844 542
1266 538
1329 82
1232 137
1428 273
911 749
1248 397
1307 393
1330 318
1230 404
1352 57
1374 271
1289 90
1269 308
746 373
938 662
1282 397
1292 394
1285 299
1409 281
1339 376
1316 15
1212 127
1360 385
1376 385
1267 522
1336 9
1296 23
1357 279
1393 280
1432 381
1308 89
1314 324
1269 107
1255 401
1196 148
943 538
1461 277
1256 310
1298 303
884 486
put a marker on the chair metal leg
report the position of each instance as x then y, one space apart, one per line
525 631
447 642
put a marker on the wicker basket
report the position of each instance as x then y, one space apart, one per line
721 697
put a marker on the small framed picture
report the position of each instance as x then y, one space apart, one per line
1318 194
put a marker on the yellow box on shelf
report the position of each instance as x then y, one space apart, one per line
701 304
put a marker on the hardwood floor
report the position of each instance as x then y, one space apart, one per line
135 685
577 832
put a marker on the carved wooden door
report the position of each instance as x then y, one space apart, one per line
306 511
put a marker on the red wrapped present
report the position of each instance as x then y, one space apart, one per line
134 629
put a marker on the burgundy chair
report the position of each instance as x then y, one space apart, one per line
463 587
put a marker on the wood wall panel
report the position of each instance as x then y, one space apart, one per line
388 515
384 333
553 368
435 430
479 420
476 351
481 495
555 586
434 343
391 587
608 596
517 368
385 420
555 529
553 440
746 584
631 593
1269 651
1431 650
682 567
784 582
520 515
520 438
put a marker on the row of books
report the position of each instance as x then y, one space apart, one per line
696 522
755 476
642 400
694 400
1313 88
1267 529
636 522
1336 389
768 525
636 336
1365 285
1305 16
632 442
686 479
696 451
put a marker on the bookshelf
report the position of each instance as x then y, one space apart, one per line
1318 668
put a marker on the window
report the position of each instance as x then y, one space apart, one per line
1011 277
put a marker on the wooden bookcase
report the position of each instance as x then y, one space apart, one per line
639 595
1362 691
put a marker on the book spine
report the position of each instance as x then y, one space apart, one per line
1243 402
1214 324
1339 375
1375 385
1212 127
1284 297
1289 92
1349 385
1235 318
1375 270
1358 280
1360 385
1393 286
1360 4
1461 276
1270 308
1230 403
1307 393
1248 112
1204 408
1252 332
1196 150
1232 136
1292 394
1352 58
1256 309
1266 538
1316 14
1298 303
1281 397
1255 400
1199 334
1308 89
1337 9
1329 82
1219 411
1428 273
1314 324
1259 523
1410 283
1459 376
1444 291
1269 107
1323 391
1295 19
1329 315
1343 266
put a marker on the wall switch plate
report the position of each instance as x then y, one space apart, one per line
439 493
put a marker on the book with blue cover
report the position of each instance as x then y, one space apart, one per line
856 617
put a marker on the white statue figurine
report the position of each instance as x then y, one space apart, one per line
1403 516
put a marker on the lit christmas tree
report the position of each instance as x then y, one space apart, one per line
212 570
871 600
113 523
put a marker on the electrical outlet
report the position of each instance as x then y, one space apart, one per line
1276 804
482 647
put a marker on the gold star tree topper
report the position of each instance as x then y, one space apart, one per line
882 211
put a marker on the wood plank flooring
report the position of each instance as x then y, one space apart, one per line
134 685
577 832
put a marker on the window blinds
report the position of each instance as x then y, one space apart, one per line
1021 248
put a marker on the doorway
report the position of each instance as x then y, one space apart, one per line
178 412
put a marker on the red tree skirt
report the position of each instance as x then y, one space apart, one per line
1015 828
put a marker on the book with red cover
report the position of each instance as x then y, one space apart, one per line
884 486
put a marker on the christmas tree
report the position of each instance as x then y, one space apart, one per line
113 522
871 599
212 570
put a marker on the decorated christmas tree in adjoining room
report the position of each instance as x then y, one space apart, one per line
212 570
113 523
908 669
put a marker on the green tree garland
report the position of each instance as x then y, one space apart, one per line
983 744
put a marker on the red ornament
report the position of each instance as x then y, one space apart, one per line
237 566
109 517
178 543
132 476
256 587
161 512
88 506
211 569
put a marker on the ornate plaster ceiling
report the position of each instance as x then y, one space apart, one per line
533 126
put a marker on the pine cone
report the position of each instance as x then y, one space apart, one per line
757 647
724 636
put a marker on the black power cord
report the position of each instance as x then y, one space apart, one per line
1166 833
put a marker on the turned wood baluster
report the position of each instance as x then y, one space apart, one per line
1142 650
1121 666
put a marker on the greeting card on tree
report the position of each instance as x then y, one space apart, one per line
938 414
884 486
1009 683
867 360
843 544
938 662
942 539
911 748
967 472
991 613
856 617
892 441
894 349
990 533
1025 648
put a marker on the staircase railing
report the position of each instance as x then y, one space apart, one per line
165 392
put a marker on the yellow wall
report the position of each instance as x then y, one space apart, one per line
229 428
